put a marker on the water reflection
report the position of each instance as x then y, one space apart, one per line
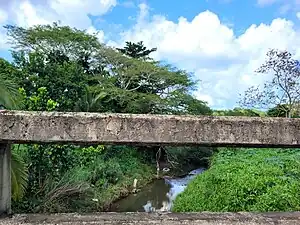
158 196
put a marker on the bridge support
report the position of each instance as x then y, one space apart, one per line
5 179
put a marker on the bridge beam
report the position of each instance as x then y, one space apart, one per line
5 179
55 127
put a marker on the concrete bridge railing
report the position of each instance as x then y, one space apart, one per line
54 127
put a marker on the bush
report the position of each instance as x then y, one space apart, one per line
71 192
91 180
245 180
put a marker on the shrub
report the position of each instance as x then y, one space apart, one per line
71 192
91 180
245 180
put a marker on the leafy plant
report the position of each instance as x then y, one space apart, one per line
19 175
245 180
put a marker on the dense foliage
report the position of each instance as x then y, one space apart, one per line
90 181
58 68
246 180
239 112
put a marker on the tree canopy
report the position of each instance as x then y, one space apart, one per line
282 89
64 69
79 73
136 50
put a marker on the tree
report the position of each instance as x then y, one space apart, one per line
57 58
68 69
59 41
278 111
239 112
9 94
80 73
64 80
136 50
284 87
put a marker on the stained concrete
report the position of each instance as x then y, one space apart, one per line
5 179
55 127
161 219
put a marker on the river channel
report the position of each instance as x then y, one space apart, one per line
158 196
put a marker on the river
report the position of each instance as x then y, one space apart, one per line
158 196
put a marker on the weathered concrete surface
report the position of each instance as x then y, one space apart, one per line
162 219
20 127
5 179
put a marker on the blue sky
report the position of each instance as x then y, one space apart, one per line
221 41
237 12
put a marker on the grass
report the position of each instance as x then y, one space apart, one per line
256 180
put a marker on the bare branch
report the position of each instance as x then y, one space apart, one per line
283 88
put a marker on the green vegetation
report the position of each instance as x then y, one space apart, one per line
58 68
254 179
245 180
81 179
239 112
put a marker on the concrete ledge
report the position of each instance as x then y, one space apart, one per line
164 218
55 127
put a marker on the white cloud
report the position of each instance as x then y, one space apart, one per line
99 33
69 12
224 62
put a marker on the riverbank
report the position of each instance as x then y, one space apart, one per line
89 179
259 180
125 188
92 183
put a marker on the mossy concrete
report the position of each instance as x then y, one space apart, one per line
57 127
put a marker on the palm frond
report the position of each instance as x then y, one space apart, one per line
9 93
19 176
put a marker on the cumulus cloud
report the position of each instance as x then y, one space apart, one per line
223 61
69 12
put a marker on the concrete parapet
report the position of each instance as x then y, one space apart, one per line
55 127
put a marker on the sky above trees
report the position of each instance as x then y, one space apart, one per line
221 41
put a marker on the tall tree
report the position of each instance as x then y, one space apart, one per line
136 50
278 111
284 87
55 57
80 73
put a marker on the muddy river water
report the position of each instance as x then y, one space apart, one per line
157 196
